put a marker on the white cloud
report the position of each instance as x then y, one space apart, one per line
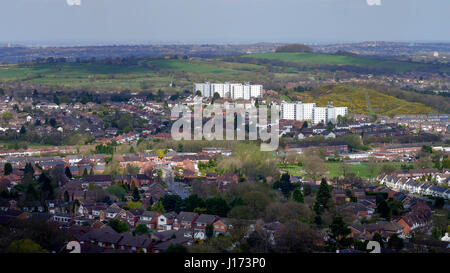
374 2
73 2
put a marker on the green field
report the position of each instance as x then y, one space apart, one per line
322 59
334 169
156 73
76 75
114 76
361 170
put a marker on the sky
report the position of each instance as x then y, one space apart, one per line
222 21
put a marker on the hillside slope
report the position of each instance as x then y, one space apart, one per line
364 101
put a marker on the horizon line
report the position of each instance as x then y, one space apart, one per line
87 43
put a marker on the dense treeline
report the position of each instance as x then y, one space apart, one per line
294 48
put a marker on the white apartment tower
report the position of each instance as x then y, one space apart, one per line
335 112
288 111
218 88
320 114
297 111
256 91
309 111
204 88
237 91
229 90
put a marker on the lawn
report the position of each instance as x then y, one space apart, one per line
361 170
293 170
334 169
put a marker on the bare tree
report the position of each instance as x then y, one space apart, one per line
314 166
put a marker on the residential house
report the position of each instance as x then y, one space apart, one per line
112 211
103 237
200 225
63 218
135 243
185 220
150 219
166 220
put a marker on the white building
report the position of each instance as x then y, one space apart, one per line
256 91
339 111
218 88
334 112
204 88
319 114
229 90
309 111
297 111
288 111
237 91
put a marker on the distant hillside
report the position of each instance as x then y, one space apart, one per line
151 74
364 101
375 64
294 48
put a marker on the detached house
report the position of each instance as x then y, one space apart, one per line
165 221
185 220
126 216
200 225
112 211
96 211
150 219
221 226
